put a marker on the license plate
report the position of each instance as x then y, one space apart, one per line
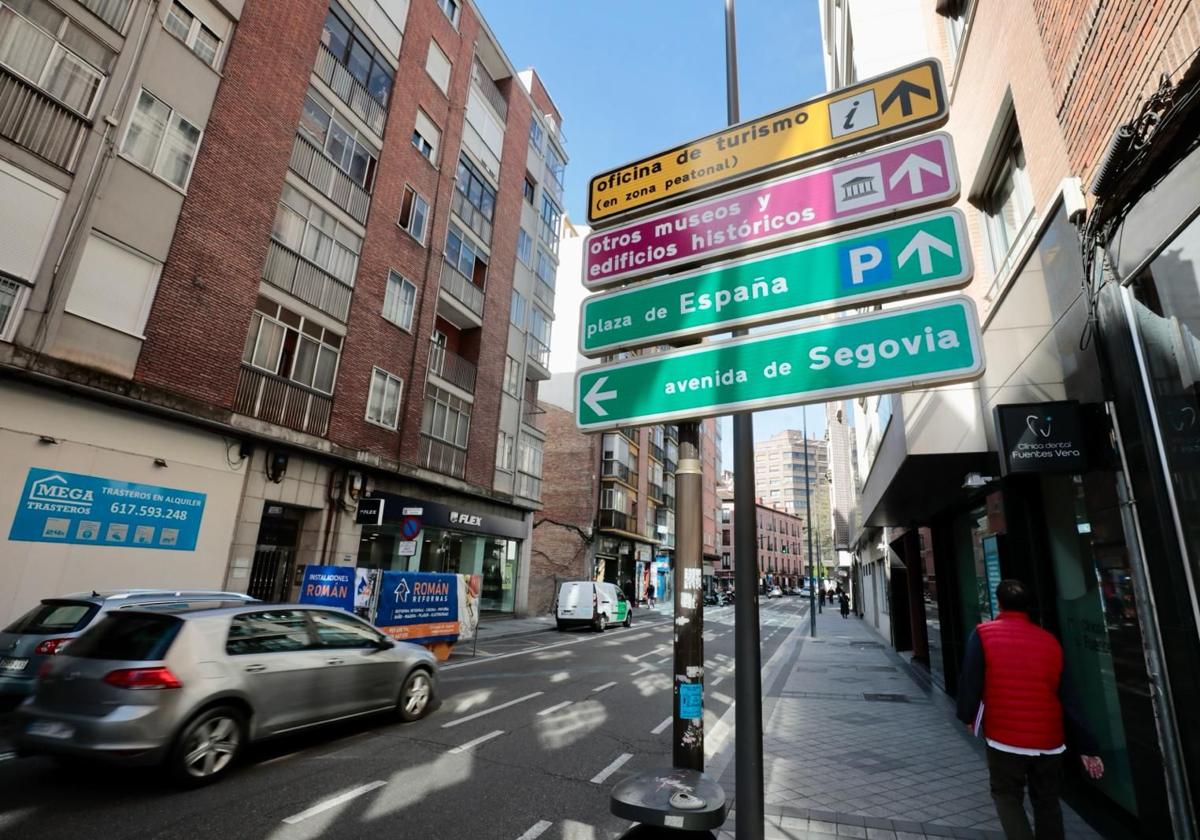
11 665
51 729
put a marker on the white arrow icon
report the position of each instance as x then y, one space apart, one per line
913 166
921 245
595 396
401 591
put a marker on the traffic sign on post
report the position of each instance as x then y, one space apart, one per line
879 184
886 107
916 256
917 346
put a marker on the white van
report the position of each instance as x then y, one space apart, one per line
588 602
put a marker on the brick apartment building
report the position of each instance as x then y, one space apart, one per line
272 258
1075 124
782 546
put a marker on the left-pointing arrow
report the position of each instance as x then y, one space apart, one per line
921 245
595 396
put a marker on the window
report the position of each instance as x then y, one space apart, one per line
549 223
437 65
530 190
42 45
464 256
414 214
536 135
958 14
340 143
545 268
426 137
516 310
114 286
446 417
399 301
354 51
161 141
557 168
474 199
336 630
303 226
512 377
452 8
187 28
275 631
539 334
529 468
286 344
504 451
383 400
9 292
525 247
1007 204
28 211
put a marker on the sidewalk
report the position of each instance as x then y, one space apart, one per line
855 746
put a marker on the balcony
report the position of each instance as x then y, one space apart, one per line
307 281
531 413
281 401
464 300
619 470
350 90
615 519
668 500
37 122
655 492
441 457
451 367
539 358
630 433
528 486
483 80
471 216
544 293
310 163
656 451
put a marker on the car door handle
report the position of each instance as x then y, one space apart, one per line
334 661
256 668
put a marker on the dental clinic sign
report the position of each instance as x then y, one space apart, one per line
1041 437
79 509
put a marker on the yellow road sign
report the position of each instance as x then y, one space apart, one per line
877 110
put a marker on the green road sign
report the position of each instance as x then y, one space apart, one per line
917 256
895 349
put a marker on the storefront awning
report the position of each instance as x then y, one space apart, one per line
925 485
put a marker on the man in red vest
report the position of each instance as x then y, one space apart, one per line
1012 686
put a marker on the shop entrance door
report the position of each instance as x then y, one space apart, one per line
275 553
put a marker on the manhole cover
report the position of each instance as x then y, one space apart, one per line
885 698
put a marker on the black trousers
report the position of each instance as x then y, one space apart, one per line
1009 775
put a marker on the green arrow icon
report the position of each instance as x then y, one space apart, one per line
920 255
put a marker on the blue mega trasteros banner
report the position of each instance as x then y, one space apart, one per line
328 586
65 507
418 606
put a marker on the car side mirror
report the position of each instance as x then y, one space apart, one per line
385 644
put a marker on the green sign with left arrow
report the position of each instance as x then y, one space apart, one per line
920 255
894 349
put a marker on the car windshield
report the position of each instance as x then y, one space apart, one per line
141 637
54 617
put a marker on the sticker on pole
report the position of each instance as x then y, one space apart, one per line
691 701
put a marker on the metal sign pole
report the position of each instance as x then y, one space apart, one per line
687 751
813 580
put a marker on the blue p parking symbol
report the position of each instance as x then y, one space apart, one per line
866 264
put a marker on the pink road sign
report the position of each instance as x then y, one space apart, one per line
884 182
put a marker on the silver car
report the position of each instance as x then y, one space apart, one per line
190 688
55 622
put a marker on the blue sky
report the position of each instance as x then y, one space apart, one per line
632 77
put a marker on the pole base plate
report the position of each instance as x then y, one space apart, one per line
646 798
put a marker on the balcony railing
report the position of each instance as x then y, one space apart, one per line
442 457
462 289
539 353
311 164
281 401
630 433
350 90
668 500
656 451
655 492
614 519
470 214
483 80
544 293
309 282
451 367
32 119
619 470
531 413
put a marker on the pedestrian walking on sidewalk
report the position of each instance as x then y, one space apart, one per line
1014 689
822 596
845 603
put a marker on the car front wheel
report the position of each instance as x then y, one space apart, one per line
628 622
416 695
208 746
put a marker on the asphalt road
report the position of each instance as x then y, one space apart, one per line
532 735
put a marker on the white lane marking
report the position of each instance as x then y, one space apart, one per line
664 625
649 653
642 670
600 688
321 807
536 831
493 709
6 756
474 742
555 708
662 727
612 768
716 682
664 660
